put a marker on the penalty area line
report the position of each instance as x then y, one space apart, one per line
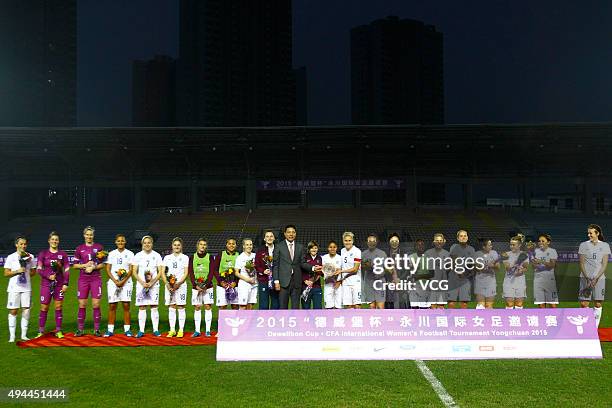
444 396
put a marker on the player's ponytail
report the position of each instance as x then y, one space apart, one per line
518 238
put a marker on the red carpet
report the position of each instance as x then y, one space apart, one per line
605 334
118 340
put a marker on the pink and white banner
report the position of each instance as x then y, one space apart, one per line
406 334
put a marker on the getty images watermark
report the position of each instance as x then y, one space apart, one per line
422 271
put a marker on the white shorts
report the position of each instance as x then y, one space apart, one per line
18 300
150 299
437 297
247 293
351 295
515 287
545 288
202 298
122 294
333 297
485 285
178 298
597 293
221 300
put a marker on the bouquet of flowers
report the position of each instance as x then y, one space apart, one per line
148 276
56 267
268 261
514 268
24 259
307 289
101 255
201 282
121 274
586 292
250 268
172 282
230 291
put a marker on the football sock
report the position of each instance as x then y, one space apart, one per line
25 319
12 323
126 327
479 306
208 319
42 320
111 328
597 311
81 318
172 318
97 317
155 318
58 319
142 319
518 307
197 318
181 317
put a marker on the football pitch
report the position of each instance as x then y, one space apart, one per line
190 376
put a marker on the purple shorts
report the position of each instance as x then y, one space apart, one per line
89 283
45 291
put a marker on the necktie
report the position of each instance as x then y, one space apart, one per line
291 250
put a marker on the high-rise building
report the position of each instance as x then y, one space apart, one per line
235 63
397 74
38 45
154 92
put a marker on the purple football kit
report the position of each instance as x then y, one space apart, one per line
48 264
89 282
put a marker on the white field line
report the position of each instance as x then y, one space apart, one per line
444 396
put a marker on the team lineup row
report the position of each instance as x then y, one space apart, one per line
285 273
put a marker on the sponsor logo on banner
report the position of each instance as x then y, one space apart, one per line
234 323
578 321
349 334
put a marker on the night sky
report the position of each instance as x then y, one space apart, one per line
505 61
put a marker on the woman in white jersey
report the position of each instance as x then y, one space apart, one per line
544 283
119 285
594 255
147 268
247 276
19 267
485 282
332 290
515 286
174 275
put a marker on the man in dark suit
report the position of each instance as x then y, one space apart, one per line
287 269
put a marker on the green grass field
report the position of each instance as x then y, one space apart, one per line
190 376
